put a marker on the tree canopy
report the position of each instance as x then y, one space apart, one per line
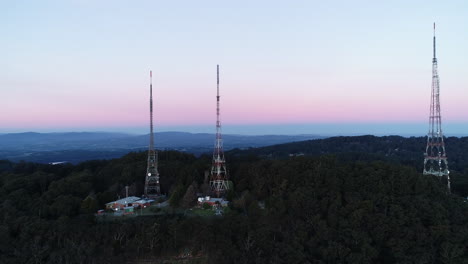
326 208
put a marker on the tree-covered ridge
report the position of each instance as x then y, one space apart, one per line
395 149
327 209
398 147
358 213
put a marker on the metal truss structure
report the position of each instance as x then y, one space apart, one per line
435 158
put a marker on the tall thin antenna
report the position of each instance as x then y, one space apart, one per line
435 159
434 44
218 180
152 188
218 122
151 146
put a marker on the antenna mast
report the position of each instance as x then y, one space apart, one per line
435 159
152 188
218 180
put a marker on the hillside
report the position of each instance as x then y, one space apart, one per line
325 209
395 149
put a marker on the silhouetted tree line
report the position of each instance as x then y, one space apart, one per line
342 208
394 149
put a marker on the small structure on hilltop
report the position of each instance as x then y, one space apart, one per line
131 201
212 201
122 203
129 210
143 203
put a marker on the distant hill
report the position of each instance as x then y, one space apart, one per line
79 146
33 141
395 148
386 145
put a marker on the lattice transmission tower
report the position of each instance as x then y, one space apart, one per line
435 159
218 181
152 188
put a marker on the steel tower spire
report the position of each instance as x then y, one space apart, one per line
152 188
218 179
435 159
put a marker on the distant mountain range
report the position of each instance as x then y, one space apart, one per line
79 146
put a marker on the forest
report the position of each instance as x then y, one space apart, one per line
342 200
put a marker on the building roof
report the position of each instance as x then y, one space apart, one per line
127 200
143 201
212 200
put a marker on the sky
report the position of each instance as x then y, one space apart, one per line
286 67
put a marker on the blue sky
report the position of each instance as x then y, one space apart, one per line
295 67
